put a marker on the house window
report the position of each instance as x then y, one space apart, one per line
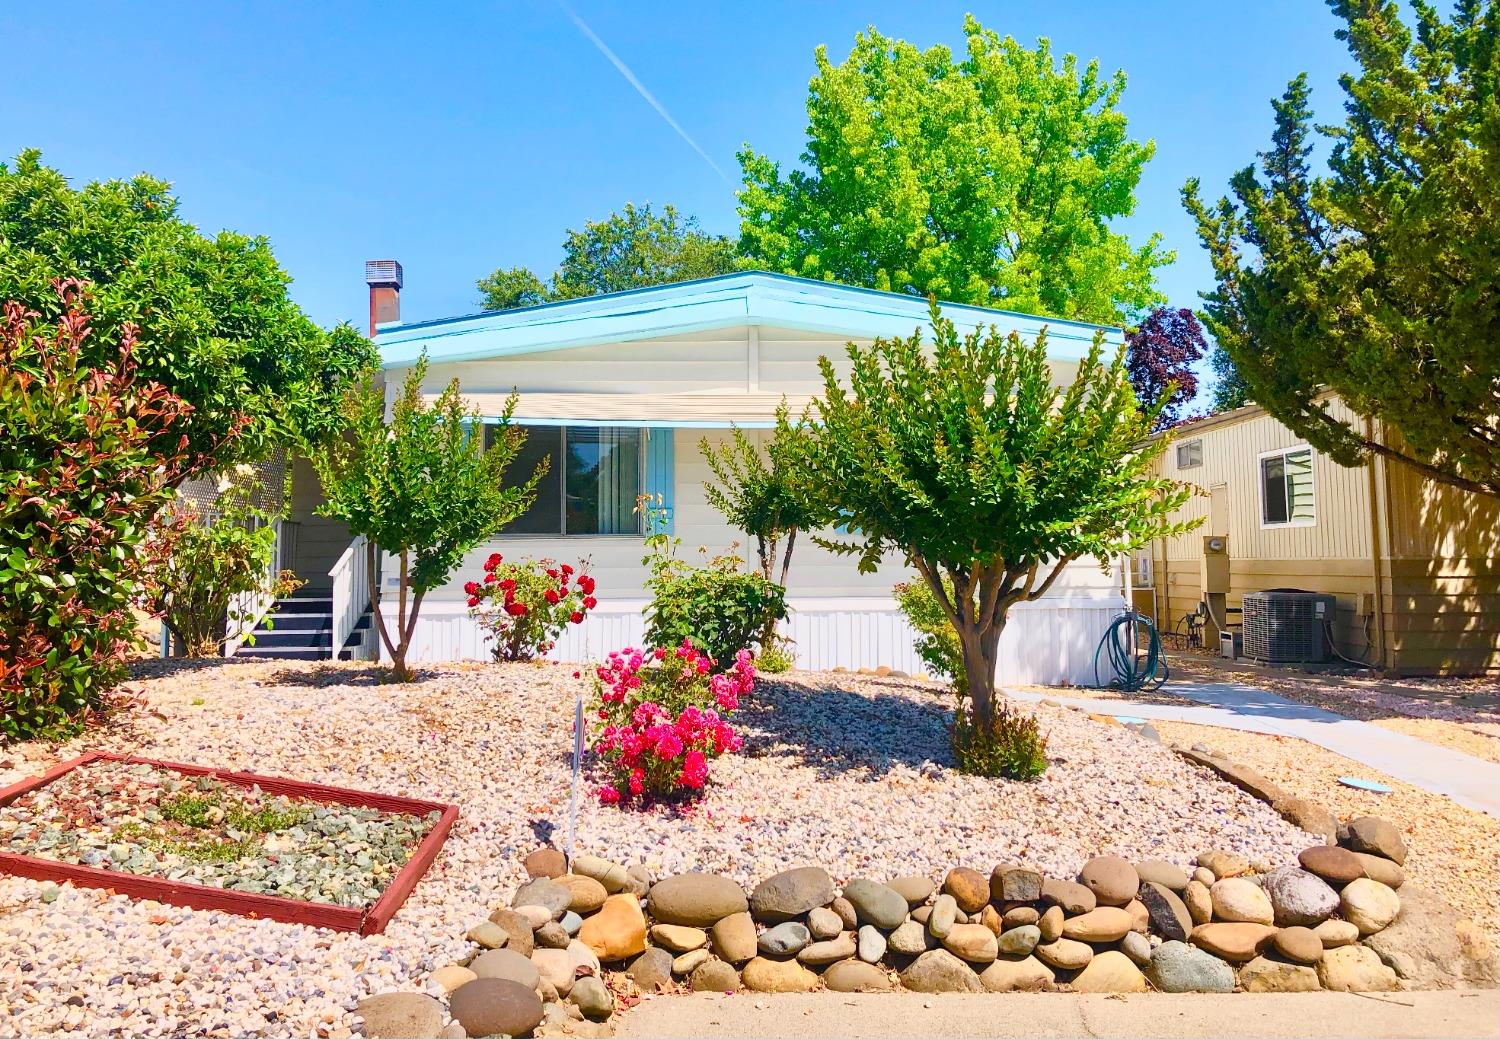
594 475
1286 488
1190 454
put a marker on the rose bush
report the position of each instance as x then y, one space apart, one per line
662 719
524 606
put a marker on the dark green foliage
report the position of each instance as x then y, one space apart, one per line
718 606
1380 280
1010 745
961 454
214 324
634 249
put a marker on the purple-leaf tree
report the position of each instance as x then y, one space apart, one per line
1162 350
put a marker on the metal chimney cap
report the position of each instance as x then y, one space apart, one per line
383 273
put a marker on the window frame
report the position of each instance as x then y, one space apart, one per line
1189 443
562 484
1260 485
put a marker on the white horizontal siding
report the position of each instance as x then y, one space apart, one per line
1050 642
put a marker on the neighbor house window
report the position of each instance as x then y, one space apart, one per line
594 475
1286 488
1190 454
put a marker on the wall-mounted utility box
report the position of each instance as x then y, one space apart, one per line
1215 567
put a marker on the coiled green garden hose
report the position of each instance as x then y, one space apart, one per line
1134 671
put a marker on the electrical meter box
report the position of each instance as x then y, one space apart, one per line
1215 568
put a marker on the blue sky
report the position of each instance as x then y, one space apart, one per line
462 137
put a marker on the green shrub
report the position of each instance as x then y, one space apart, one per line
1010 747
87 456
775 659
717 606
937 643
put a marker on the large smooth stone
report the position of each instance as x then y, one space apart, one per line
910 939
545 862
790 894
875 903
1112 879
821 954
1105 924
1020 916
651 970
845 910
1155 871
451 977
1336 933
401 1015
824 924
1224 864
690 961
1138 947
1374 836
1019 941
1299 898
1239 901
1427 948
763 975
612 876
974 943
1352 968
696 899
734 938
1051 923
1267 975
588 894
548 894
969 888
1309 816
488 936
915 889
714 976
493 1006
1015 884
590 995
1236 942
1028 974
617 931
1179 967
556 968
518 927
871 944
679 938
938 970
1338 866
786 939
1369 905
943 916
856 976
1199 903
1166 914
1299 944
1074 898
1110 971
1381 869
506 966
1065 954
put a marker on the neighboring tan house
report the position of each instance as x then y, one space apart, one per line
618 390
1415 565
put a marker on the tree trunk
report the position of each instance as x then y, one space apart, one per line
397 649
981 653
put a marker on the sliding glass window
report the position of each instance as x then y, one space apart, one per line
595 475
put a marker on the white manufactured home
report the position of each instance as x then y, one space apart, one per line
619 391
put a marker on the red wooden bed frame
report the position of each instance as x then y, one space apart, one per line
371 920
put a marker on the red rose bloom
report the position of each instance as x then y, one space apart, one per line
589 602
577 618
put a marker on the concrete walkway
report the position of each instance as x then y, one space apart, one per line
1470 781
1051 1015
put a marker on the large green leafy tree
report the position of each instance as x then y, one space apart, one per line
633 249
214 325
1379 279
962 455
993 181
423 486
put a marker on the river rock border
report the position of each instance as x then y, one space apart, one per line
575 944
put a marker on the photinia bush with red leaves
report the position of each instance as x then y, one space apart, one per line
87 457
662 717
524 606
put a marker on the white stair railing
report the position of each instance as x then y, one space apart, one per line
248 609
351 591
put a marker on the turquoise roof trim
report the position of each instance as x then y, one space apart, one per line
726 301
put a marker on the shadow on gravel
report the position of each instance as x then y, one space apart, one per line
141 670
318 676
838 731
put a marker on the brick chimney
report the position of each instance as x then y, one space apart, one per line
384 279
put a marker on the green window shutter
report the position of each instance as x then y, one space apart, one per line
1299 486
660 474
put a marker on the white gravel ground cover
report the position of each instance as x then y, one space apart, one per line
846 771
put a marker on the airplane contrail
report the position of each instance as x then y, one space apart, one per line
640 88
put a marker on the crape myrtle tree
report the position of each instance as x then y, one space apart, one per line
424 487
992 180
633 249
210 318
1378 279
1159 356
962 455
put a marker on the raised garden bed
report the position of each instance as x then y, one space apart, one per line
212 839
